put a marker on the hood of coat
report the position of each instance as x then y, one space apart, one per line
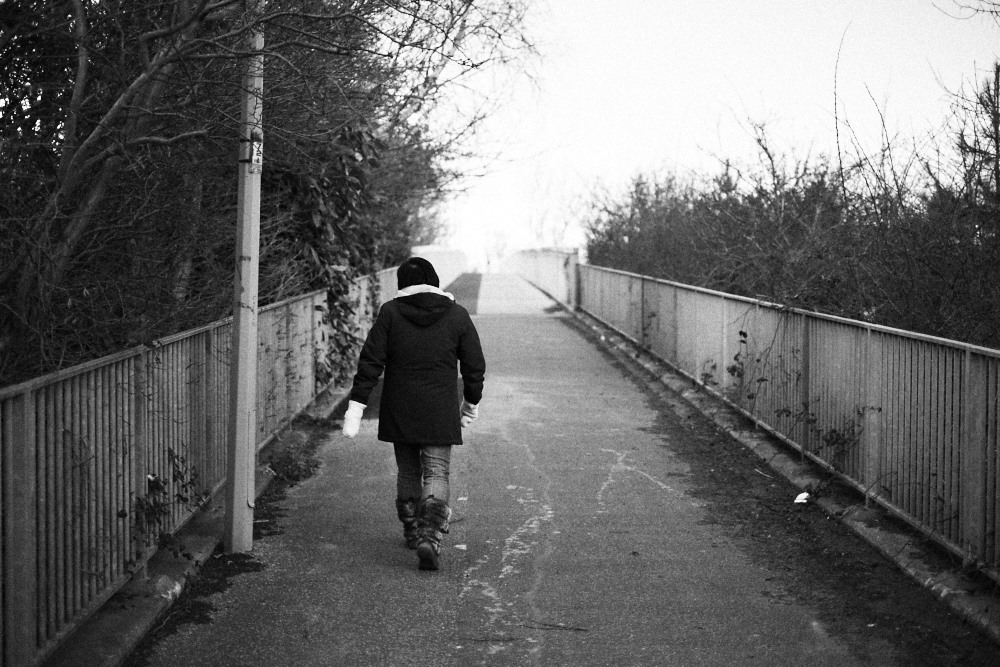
424 307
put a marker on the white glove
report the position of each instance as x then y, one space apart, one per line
469 413
352 419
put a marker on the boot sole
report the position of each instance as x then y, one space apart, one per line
428 559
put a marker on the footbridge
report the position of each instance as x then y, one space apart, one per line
660 475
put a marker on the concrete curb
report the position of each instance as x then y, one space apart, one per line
111 634
977 600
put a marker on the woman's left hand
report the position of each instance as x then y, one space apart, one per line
352 419
470 413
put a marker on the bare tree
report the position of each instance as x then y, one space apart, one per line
120 113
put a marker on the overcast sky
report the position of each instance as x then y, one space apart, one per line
630 86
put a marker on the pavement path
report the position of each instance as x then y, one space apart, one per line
576 539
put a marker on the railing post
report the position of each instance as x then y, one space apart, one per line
575 281
806 382
720 370
642 312
871 416
20 573
675 327
973 457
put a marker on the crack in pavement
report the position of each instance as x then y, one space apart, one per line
620 466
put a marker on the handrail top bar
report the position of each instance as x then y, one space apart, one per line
285 302
880 328
66 373
34 383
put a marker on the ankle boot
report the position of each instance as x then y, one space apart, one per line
406 510
433 516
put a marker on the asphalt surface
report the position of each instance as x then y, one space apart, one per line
577 539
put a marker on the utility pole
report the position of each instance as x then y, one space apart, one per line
242 436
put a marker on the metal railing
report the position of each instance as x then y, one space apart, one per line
912 421
552 270
96 461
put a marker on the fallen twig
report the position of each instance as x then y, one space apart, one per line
542 625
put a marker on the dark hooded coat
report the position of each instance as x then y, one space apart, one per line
422 343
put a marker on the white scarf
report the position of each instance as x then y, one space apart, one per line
422 289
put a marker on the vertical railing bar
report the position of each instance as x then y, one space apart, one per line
137 453
89 455
723 344
869 473
902 429
911 392
71 435
893 421
957 453
195 396
284 368
21 583
179 414
675 327
952 397
121 419
990 463
806 381
56 544
47 509
914 409
965 405
65 439
927 382
213 419
900 399
102 454
8 431
890 428
642 312
73 432
63 523
70 444
939 417
313 344
934 417
291 340
211 411
920 412
100 483
171 416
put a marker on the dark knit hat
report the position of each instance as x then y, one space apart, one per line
416 271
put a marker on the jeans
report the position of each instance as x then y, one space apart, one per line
422 471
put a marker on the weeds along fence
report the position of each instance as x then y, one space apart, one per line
912 421
99 461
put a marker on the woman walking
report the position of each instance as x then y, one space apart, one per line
419 340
